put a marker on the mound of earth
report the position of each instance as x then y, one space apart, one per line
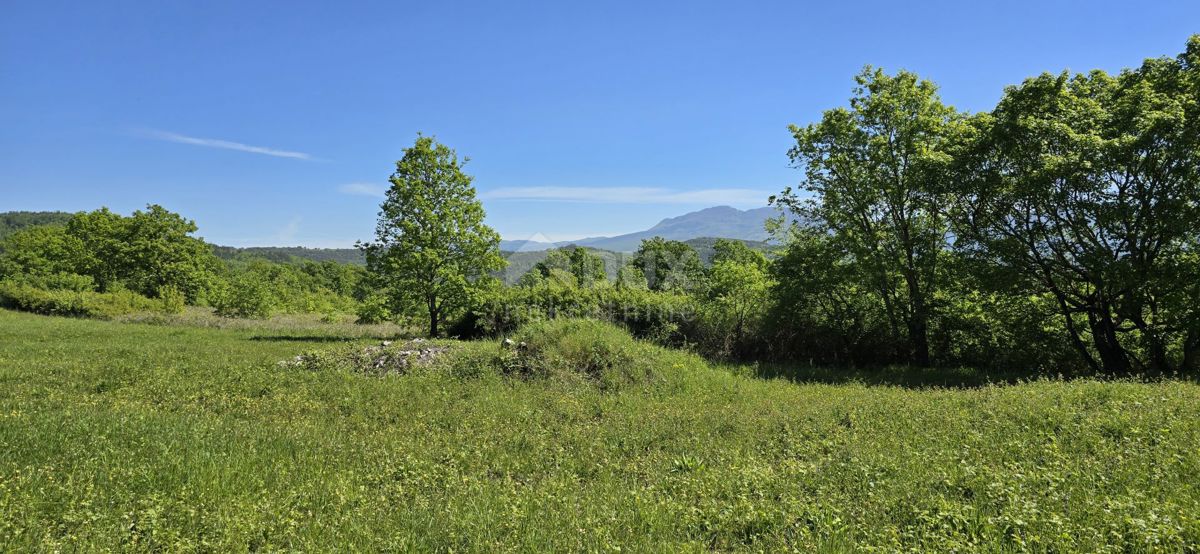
385 358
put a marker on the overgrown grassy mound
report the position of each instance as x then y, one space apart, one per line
574 349
566 351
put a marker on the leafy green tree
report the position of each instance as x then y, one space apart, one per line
669 265
1087 188
737 297
39 251
158 251
729 250
146 252
631 277
586 267
821 308
432 247
875 172
248 295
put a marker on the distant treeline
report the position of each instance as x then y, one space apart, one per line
290 254
520 263
11 222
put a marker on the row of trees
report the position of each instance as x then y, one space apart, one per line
1077 193
1067 219
153 254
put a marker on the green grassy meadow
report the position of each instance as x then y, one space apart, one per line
130 436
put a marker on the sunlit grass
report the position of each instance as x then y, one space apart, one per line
156 437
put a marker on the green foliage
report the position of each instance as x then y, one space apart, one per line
669 265
247 295
1085 188
706 247
667 317
584 267
631 277
257 288
145 252
1073 211
373 310
27 297
432 246
821 313
737 299
11 222
876 173
568 349
736 251
57 281
292 254
40 251
173 300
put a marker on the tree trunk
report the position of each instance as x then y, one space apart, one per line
433 318
1191 352
918 329
918 321
1073 331
1104 335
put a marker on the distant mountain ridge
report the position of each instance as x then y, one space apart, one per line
718 221
699 228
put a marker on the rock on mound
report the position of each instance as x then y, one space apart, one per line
386 358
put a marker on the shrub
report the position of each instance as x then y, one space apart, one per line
26 297
659 316
581 348
64 281
171 299
23 296
245 296
373 310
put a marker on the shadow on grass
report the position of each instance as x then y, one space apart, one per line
900 376
302 338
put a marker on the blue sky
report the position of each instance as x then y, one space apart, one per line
278 123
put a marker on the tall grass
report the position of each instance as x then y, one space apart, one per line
151 437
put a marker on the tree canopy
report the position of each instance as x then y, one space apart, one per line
876 172
146 252
432 248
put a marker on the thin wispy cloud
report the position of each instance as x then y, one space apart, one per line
632 195
225 144
363 189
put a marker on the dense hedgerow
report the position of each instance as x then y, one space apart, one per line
644 313
22 296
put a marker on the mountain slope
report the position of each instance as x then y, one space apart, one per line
718 221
